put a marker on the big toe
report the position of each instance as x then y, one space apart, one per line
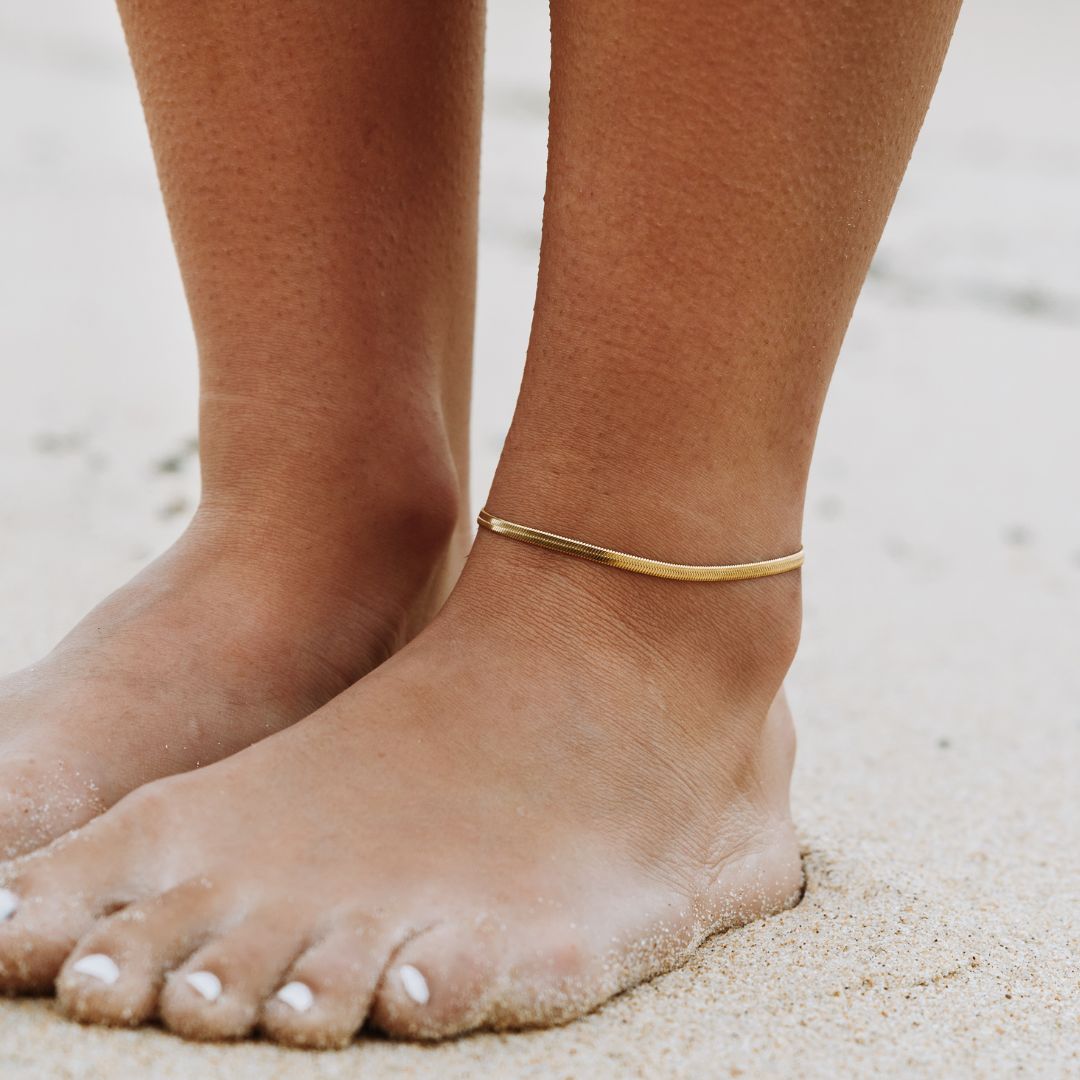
442 982
498 975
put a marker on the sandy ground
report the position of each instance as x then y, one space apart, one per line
939 679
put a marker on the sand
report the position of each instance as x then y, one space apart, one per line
937 687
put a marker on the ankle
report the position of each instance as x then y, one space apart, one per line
357 571
291 481
674 514
401 524
734 641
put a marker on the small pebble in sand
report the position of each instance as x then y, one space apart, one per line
414 984
204 983
98 966
9 904
297 996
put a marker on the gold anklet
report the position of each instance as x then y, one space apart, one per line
637 564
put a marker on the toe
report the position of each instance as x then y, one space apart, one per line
115 973
219 991
440 983
35 940
49 907
493 974
53 897
324 998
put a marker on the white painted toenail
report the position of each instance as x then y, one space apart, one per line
9 904
98 966
205 983
297 995
414 984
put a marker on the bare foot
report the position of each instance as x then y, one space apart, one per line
229 637
560 788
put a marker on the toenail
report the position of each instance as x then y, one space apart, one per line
98 966
205 983
9 904
297 996
414 984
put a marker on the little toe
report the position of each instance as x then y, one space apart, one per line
41 926
219 991
441 982
115 973
324 998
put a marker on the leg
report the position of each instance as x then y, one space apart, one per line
319 167
574 774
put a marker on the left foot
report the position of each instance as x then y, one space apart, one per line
558 790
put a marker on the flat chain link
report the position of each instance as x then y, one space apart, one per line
637 564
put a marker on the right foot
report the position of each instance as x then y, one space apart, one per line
231 635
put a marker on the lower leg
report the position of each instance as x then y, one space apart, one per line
718 180
319 168
319 165
574 773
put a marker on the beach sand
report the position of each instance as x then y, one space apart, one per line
938 685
